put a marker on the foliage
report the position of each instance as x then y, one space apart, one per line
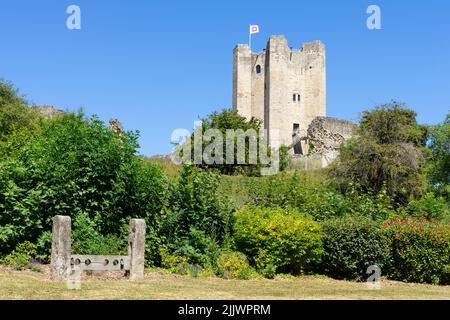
70 166
430 207
182 265
351 245
218 123
87 240
378 207
438 166
14 112
197 218
420 251
234 265
148 198
386 151
20 258
44 247
277 239
307 192
285 158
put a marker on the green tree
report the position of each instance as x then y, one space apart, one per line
387 150
197 217
222 121
438 165
14 112
71 166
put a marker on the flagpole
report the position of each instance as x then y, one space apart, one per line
250 37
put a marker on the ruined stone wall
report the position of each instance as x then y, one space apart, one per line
324 138
326 134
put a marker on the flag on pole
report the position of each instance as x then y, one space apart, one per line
254 28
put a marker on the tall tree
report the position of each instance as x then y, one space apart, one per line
438 165
14 112
387 150
213 136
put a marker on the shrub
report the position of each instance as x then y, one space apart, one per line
438 164
277 239
385 152
181 265
74 165
351 245
367 204
87 240
285 158
420 251
306 191
234 265
14 112
220 122
197 219
44 247
429 207
197 247
20 258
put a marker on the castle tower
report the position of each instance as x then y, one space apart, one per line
283 87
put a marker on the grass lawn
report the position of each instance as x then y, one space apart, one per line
159 285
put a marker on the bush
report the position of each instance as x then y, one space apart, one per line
44 247
197 247
420 251
20 258
220 122
308 192
197 219
386 151
14 112
277 239
234 265
285 158
367 204
74 165
181 264
429 207
87 240
351 245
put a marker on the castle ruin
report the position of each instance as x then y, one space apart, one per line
286 89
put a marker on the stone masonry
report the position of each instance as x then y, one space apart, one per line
282 86
286 89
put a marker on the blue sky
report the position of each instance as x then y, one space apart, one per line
159 65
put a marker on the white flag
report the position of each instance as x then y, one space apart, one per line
254 28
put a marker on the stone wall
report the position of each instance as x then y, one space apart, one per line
326 134
265 84
324 138
47 111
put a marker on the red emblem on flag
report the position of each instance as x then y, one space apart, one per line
254 28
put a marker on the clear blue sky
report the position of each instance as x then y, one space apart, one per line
158 65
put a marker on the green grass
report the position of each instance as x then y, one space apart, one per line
158 285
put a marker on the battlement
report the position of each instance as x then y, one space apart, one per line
279 42
313 47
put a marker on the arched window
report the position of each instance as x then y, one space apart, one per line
258 69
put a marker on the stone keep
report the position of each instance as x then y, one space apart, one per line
282 86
